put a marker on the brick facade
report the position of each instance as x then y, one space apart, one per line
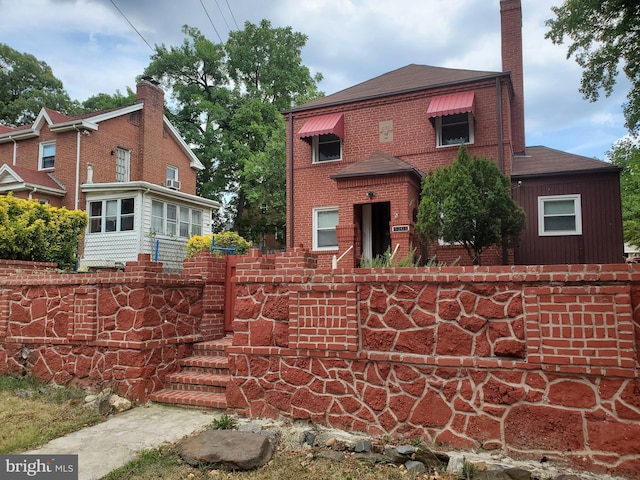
534 361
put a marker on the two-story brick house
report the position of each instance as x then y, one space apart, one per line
355 160
128 167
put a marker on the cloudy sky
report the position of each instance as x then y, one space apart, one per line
100 46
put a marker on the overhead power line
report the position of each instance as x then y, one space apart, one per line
222 15
132 26
232 15
211 21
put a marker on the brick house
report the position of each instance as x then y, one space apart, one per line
128 167
355 160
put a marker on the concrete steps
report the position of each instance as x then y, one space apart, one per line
202 379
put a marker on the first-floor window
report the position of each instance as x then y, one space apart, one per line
175 220
559 215
324 228
111 215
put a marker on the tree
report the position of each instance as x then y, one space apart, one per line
605 36
227 102
469 202
626 155
26 86
104 101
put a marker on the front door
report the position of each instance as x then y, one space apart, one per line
376 239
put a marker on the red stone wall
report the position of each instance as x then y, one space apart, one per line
535 361
125 329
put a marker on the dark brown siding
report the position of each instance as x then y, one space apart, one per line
601 240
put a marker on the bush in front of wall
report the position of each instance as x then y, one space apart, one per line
226 239
37 232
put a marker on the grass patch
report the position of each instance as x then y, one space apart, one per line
32 413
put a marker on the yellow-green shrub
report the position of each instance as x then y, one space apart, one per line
225 239
39 232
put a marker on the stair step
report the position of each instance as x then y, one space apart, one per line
195 399
202 364
213 347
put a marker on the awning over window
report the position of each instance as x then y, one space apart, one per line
463 102
322 125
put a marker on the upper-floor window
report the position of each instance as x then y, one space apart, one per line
559 215
172 178
47 155
325 221
123 163
454 129
175 220
326 148
111 215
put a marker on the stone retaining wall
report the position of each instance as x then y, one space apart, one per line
536 361
120 329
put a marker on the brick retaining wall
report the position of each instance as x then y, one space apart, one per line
120 329
533 360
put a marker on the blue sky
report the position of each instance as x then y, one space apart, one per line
93 49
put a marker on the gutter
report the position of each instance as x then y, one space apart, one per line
291 237
499 116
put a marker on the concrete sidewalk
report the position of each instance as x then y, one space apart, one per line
108 445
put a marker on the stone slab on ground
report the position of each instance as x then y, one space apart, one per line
229 449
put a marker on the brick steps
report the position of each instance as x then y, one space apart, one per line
202 379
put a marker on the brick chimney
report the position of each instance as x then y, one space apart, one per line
151 117
511 33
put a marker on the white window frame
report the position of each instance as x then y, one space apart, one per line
111 211
123 165
185 221
439 143
172 173
316 212
315 148
577 212
41 156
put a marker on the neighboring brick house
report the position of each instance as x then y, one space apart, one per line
128 167
355 160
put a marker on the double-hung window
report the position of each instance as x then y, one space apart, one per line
175 220
123 162
454 129
111 215
47 155
326 148
324 228
559 215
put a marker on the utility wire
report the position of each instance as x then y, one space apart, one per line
210 21
136 30
222 15
232 15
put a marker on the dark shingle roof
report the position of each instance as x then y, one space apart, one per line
403 80
378 163
548 161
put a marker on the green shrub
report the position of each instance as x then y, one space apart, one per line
226 239
39 232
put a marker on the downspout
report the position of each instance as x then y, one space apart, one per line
291 237
77 169
15 150
499 116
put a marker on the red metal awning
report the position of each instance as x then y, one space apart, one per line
462 102
333 123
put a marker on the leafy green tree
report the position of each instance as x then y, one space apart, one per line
226 102
104 101
605 35
26 86
469 202
626 155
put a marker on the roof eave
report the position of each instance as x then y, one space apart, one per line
302 108
611 169
19 135
146 186
339 176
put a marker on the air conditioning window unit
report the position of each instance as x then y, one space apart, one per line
174 184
